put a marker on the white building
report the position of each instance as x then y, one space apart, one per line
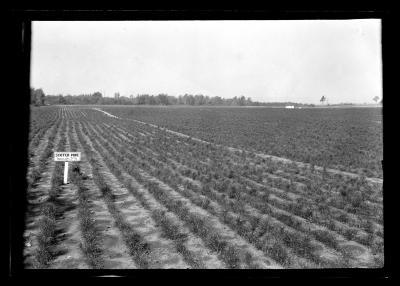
289 106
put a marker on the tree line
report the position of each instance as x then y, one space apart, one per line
37 97
148 99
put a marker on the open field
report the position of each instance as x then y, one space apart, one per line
348 139
205 193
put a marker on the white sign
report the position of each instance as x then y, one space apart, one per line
67 156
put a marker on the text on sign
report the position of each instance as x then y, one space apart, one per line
67 156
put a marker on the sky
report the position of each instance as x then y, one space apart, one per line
268 61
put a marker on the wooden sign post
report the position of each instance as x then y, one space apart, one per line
66 157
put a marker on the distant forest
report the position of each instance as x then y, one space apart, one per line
38 98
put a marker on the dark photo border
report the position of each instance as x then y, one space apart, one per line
18 42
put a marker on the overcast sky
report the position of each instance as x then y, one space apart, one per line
266 60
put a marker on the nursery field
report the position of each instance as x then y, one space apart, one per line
342 138
220 188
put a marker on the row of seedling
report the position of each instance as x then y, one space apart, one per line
196 223
139 249
91 245
289 220
158 173
50 211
